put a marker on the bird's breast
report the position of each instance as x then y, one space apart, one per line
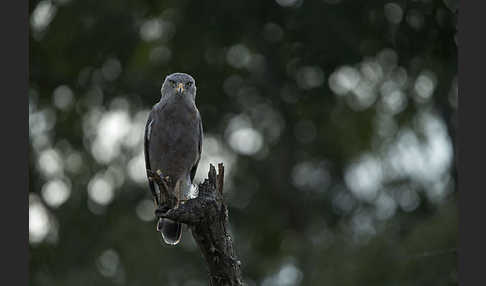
175 134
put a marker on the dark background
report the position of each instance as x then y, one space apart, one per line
335 120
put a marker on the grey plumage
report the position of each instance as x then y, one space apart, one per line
173 142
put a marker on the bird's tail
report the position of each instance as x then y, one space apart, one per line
171 231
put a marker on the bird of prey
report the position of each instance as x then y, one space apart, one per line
172 144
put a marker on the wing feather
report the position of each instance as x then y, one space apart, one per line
148 133
194 168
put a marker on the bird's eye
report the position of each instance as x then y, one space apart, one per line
189 84
172 83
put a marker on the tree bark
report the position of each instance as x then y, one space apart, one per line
207 217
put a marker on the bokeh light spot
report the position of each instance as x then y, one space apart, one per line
145 210
42 15
309 77
238 56
246 141
56 192
393 13
100 190
425 85
63 97
344 80
50 163
363 177
108 263
39 224
289 3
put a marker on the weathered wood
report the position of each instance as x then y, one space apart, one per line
207 217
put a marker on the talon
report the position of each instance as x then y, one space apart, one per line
162 209
150 174
166 179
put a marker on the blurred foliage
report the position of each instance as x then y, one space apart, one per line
335 120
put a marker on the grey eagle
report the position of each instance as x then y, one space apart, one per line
173 142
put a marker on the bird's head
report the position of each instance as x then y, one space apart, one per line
179 84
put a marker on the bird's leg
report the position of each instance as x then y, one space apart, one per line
162 207
150 176
162 182
171 199
178 193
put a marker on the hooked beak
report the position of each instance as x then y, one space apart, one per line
180 88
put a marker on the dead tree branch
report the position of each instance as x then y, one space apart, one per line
207 217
